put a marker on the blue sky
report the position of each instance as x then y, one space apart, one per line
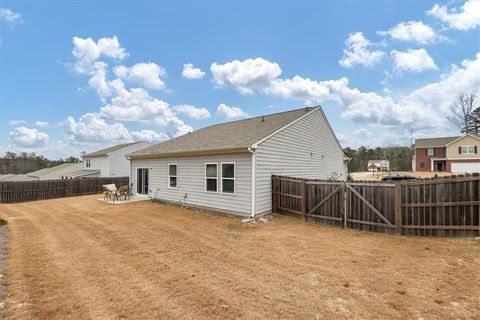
80 75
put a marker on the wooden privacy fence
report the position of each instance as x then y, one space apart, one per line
22 191
448 206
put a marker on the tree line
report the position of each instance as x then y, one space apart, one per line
12 163
400 157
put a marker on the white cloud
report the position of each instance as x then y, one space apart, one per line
304 88
137 105
10 17
28 137
415 31
415 60
192 111
98 80
122 104
147 74
148 135
464 18
87 51
190 72
357 52
231 112
245 75
92 128
15 123
42 124
424 108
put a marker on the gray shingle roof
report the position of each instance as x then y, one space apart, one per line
235 135
433 142
106 151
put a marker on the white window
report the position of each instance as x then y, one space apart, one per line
467 149
228 177
211 177
430 152
87 163
172 175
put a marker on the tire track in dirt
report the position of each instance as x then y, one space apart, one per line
116 279
31 260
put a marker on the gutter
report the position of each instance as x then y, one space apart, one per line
254 178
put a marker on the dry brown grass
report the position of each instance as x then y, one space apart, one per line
78 258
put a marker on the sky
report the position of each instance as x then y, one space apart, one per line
82 75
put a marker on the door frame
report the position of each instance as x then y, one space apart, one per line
142 188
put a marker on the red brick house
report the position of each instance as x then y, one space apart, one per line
451 154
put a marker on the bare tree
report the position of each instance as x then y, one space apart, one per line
461 111
393 154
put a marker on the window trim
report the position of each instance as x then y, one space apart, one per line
169 176
205 177
88 163
467 148
433 152
234 177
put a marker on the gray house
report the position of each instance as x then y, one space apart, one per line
228 166
111 162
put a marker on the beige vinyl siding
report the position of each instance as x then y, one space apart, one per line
452 149
191 181
308 149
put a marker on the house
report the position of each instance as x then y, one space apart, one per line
61 171
378 165
228 166
451 154
64 171
112 161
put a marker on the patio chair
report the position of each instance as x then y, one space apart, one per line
124 192
111 192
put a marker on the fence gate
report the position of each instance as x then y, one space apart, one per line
325 202
370 206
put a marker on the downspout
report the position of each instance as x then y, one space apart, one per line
254 171
129 170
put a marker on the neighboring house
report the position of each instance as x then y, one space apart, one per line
112 161
451 154
61 171
228 166
378 165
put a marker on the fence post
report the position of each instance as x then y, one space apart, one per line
398 208
303 199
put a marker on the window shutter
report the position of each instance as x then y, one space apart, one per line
475 150
459 150
426 151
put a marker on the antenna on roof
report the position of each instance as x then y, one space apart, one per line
263 119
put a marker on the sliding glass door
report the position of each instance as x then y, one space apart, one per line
142 181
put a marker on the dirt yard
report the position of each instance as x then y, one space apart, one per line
79 258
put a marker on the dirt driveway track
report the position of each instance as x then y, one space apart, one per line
79 258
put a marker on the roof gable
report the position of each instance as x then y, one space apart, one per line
109 150
463 137
235 136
